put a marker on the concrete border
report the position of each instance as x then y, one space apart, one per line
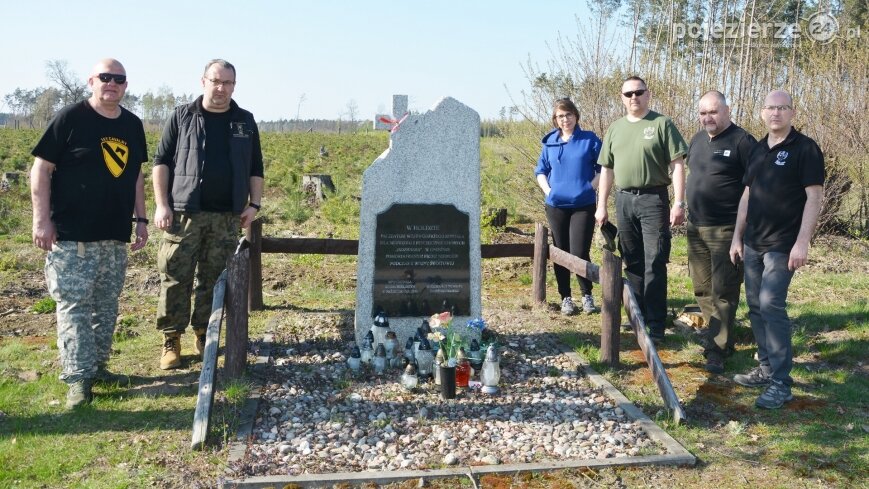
677 454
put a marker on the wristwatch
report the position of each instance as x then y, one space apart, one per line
255 206
680 203
141 219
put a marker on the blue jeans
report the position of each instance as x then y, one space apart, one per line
644 234
767 279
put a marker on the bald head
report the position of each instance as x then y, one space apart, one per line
108 65
714 114
108 82
778 112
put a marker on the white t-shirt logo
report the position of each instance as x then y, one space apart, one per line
781 157
649 133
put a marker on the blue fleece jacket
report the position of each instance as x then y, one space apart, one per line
569 167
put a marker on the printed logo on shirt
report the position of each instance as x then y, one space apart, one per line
238 129
115 154
722 152
649 133
781 157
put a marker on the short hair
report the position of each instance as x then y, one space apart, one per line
720 96
635 78
564 104
223 64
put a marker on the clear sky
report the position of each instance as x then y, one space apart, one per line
330 51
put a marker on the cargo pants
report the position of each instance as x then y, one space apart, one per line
197 245
85 280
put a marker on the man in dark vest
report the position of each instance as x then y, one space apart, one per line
203 192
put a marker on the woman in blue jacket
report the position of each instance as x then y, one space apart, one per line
568 173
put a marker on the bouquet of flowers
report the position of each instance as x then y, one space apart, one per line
448 338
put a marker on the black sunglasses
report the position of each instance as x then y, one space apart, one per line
638 93
107 77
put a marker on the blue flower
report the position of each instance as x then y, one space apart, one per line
479 324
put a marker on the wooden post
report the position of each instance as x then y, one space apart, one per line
538 272
610 311
254 236
205 397
237 278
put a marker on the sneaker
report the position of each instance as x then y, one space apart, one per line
171 357
104 377
79 394
714 363
775 396
568 308
199 343
588 304
755 378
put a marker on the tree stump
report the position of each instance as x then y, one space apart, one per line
314 186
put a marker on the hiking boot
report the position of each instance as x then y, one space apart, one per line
755 378
775 396
656 334
171 357
79 394
199 343
714 363
568 308
104 377
588 304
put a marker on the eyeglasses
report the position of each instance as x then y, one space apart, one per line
779 108
221 83
638 93
107 77
565 116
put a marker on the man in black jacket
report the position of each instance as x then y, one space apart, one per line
203 193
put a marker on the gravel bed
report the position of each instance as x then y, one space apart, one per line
315 416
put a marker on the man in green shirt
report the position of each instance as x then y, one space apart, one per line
639 152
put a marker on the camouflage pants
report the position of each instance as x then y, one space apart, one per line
197 245
85 280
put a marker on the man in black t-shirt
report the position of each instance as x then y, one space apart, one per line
717 158
87 189
777 216
203 193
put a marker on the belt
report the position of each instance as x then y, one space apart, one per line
645 190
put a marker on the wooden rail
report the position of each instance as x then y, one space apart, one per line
205 397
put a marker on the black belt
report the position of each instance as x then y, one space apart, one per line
645 190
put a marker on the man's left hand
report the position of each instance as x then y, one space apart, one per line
677 215
799 256
247 216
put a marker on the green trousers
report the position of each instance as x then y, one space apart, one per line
196 246
717 282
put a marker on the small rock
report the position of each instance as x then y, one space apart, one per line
451 459
490 460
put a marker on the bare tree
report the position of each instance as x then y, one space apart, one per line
352 110
70 88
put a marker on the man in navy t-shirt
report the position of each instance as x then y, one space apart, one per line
777 216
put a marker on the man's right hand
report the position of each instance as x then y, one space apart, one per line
736 251
601 215
163 218
44 235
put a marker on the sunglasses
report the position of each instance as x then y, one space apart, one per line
107 77
638 93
